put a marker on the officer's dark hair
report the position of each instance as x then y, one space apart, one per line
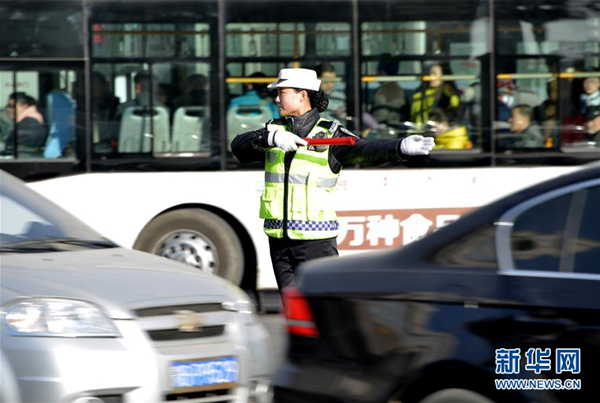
318 99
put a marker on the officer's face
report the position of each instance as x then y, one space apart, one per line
291 102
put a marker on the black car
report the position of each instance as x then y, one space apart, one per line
501 306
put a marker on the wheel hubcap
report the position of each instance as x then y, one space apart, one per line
189 247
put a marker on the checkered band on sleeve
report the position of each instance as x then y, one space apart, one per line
304 225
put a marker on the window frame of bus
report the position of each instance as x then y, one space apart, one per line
386 11
515 19
69 24
41 168
237 12
177 13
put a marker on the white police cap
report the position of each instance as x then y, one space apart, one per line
304 79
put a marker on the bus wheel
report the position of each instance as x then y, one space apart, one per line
198 238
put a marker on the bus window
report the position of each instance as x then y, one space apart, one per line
160 108
546 55
157 101
150 40
264 37
113 89
422 65
144 119
288 39
252 40
41 29
250 104
39 119
185 89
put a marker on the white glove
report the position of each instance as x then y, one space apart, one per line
417 145
285 140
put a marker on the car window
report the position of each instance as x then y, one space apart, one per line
20 223
475 249
586 254
561 234
537 235
32 223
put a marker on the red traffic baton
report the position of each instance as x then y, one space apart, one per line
337 141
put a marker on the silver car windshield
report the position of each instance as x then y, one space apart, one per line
30 223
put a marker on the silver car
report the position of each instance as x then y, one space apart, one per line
84 320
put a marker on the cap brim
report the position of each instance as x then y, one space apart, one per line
276 84
291 83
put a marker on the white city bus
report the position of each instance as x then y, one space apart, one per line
140 101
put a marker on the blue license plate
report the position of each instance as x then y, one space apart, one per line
204 374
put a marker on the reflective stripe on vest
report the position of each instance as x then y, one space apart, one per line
303 225
310 210
299 179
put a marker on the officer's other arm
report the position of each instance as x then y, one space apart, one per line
374 152
368 152
250 146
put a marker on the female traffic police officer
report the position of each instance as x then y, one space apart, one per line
300 219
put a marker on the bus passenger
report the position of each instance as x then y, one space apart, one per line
592 123
29 127
195 92
165 95
257 94
142 82
591 93
436 93
390 104
448 135
337 99
104 107
525 133
300 218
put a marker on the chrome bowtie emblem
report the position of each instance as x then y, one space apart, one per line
189 321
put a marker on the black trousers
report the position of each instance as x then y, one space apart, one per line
287 254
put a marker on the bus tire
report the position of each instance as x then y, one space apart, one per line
198 238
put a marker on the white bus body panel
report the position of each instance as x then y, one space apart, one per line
377 208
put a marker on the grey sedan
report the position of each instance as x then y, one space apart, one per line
84 320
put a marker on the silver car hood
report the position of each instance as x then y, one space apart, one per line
117 279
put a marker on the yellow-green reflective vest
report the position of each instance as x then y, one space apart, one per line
310 185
